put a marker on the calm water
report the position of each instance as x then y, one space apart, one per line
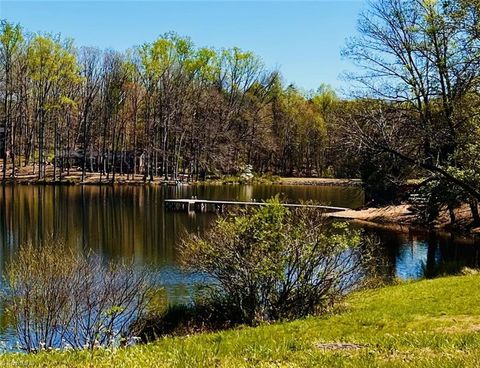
131 222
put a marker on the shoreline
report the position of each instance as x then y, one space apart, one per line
320 182
402 218
440 319
25 176
395 217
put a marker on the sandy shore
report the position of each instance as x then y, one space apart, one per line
320 181
400 214
403 216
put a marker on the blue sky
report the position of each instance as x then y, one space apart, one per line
301 38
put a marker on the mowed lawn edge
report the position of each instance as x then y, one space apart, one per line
429 323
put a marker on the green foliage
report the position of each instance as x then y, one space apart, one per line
11 39
301 129
439 194
239 67
325 98
467 158
382 176
205 64
428 324
464 165
167 51
274 263
51 64
180 110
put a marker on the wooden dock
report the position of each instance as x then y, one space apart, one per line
205 205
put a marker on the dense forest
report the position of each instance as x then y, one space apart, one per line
163 109
172 110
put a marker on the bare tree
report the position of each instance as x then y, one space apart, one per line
11 41
89 60
418 60
62 299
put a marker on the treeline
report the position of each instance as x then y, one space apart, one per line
172 110
165 109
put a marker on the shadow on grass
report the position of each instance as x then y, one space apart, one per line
183 319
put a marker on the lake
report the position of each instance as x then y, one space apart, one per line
131 222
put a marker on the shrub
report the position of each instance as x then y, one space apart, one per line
59 298
275 263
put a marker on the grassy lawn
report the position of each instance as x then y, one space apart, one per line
431 323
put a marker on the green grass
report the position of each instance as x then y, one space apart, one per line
431 323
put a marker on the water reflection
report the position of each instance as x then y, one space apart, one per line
126 221
415 254
131 222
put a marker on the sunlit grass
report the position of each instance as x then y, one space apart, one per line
431 323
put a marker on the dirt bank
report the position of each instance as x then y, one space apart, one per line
400 214
405 216
320 181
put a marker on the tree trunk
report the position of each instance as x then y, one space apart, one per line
55 139
451 212
41 141
475 214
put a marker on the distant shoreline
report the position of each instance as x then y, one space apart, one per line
25 176
394 216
